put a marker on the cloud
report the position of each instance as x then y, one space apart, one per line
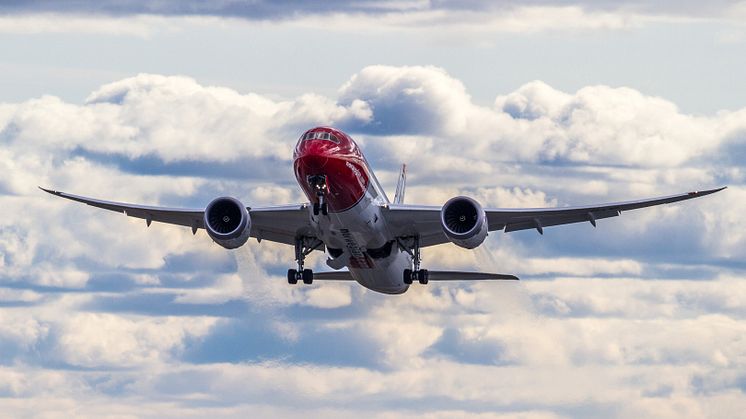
96 340
598 124
407 100
238 125
640 316
31 22
455 20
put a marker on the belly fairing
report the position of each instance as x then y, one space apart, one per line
387 276
360 234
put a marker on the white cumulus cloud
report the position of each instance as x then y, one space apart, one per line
640 316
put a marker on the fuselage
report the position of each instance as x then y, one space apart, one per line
331 168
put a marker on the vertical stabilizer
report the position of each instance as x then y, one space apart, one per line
401 185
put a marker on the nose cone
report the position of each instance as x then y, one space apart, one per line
331 157
314 154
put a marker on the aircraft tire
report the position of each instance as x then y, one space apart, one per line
307 276
407 276
422 276
292 276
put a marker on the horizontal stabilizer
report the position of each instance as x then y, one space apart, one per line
432 276
468 276
332 276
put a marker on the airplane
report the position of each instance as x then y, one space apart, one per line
349 217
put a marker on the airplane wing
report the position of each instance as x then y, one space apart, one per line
409 220
281 224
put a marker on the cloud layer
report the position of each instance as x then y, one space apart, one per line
456 18
642 316
265 9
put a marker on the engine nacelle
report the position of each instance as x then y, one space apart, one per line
227 222
464 222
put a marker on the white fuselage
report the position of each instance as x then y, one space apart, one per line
355 231
332 171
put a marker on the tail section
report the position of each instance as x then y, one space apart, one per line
401 185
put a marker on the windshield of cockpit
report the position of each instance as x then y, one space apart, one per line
319 135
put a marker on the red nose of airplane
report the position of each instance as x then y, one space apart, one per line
313 155
329 166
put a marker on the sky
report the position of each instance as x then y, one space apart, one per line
517 104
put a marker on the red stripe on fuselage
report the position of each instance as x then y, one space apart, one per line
342 163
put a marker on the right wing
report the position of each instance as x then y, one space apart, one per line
424 221
538 218
281 224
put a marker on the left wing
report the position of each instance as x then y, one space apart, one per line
411 220
281 224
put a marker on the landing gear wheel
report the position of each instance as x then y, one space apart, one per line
292 276
422 276
325 208
407 276
307 276
316 208
303 246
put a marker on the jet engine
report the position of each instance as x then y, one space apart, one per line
464 222
227 222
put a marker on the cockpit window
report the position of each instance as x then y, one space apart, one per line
319 135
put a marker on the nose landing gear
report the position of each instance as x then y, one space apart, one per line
318 184
321 206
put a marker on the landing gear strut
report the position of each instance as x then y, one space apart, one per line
318 184
320 206
303 246
416 274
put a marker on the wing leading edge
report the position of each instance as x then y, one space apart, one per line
425 220
281 224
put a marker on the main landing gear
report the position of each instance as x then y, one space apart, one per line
416 274
303 246
318 184
419 275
